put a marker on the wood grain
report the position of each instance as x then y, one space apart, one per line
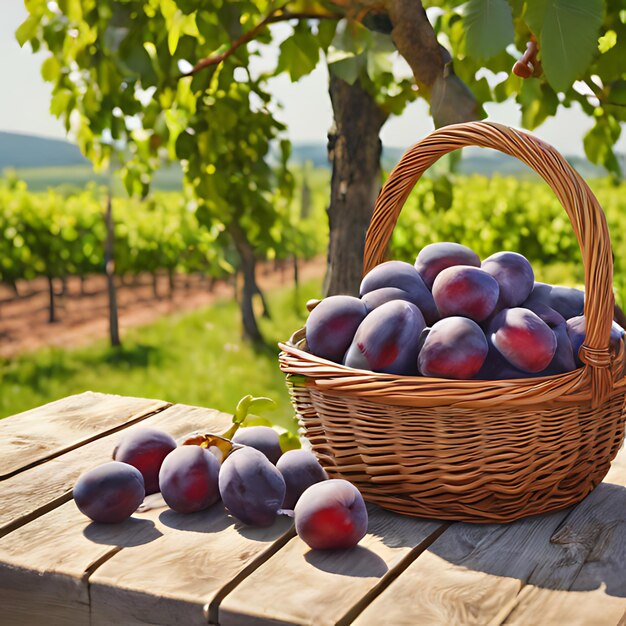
301 586
32 437
171 580
45 565
29 494
522 573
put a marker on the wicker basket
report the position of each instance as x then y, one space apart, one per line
479 451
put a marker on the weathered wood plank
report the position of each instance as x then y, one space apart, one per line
171 580
163 565
43 487
44 565
301 586
465 576
582 580
520 573
50 430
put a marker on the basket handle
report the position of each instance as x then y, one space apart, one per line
580 204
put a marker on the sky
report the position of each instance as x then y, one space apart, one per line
306 108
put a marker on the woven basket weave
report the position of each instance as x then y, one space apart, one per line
479 451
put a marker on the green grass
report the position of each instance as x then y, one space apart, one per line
196 358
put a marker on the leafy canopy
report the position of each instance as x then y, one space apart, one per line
155 79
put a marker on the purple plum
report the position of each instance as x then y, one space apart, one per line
523 339
109 493
331 326
465 291
436 257
387 339
331 515
455 347
402 276
515 277
145 448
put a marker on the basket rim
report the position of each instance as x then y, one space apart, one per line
420 391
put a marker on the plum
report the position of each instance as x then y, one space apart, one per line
465 291
331 515
331 326
387 339
496 367
577 330
567 301
300 469
252 489
145 448
262 438
402 276
455 347
523 339
515 277
188 479
563 359
374 299
436 257
109 493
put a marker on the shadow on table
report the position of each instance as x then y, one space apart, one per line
580 548
359 561
212 520
132 532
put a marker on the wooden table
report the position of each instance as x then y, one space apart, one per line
562 568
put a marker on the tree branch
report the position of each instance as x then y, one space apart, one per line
278 15
450 99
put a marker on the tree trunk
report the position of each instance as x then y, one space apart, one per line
109 265
155 285
354 149
266 310
170 280
248 269
51 308
296 273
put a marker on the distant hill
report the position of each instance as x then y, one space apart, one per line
475 161
27 153
18 151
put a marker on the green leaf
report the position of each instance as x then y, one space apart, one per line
60 102
617 93
289 441
599 141
26 30
538 102
299 54
50 69
347 69
260 405
326 33
607 41
569 39
535 15
241 409
489 27
249 404
517 6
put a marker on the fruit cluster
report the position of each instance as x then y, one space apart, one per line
249 473
452 316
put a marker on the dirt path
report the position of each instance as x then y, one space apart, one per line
84 318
